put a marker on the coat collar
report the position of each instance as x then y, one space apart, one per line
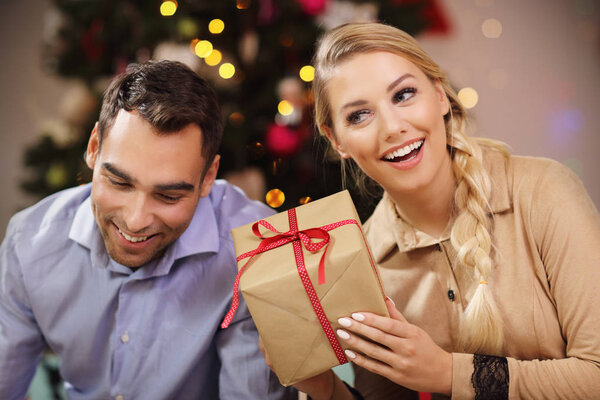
385 219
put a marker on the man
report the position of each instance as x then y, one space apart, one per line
128 278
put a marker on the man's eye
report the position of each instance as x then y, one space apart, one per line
357 117
118 183
169 199
404 94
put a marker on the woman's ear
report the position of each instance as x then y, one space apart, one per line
334 143
441 93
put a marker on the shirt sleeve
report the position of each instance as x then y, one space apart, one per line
244 373
21 342
566 227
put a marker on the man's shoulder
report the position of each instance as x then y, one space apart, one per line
49 216
233 208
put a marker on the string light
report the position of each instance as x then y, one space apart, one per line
285 107
275 198
226 70
468 97
203 48
305 200
307 73
236 118
168 8
214 58
216 26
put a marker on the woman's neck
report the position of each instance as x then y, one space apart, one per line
429 209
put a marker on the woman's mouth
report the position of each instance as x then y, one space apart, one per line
405 153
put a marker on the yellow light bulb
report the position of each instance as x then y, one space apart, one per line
168 8
285 107
216 26
275 198
226 70
307 73
304 200
214 58
203 48
468 97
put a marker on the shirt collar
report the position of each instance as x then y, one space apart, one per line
201 236
385 219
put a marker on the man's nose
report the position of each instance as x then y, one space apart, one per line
139 214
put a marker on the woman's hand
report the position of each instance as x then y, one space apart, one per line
402 352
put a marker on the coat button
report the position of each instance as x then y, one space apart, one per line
451 294
438 247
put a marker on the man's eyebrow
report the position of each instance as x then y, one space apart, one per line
179 186
117 172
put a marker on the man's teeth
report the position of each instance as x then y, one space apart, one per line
131 238
404 150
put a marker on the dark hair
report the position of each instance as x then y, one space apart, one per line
168 95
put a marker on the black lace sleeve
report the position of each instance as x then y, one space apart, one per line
490 377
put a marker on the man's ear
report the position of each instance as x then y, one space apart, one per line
209 177
93 148
334 143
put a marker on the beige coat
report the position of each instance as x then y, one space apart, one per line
545 279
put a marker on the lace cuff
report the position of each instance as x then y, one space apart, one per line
490 377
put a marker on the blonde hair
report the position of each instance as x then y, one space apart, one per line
481 324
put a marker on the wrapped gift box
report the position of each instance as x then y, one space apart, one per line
296 315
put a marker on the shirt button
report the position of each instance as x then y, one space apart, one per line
124 339
438 247
451 294
119 397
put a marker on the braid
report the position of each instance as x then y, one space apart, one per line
481 325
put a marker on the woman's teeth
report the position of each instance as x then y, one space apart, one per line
131 238
404 150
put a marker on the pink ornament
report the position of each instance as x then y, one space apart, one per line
282 141
313 7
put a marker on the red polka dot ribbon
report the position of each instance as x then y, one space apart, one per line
297 238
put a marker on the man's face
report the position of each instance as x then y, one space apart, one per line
145 186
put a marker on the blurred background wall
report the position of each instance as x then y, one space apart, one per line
534 66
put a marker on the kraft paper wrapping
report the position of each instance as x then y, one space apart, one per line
271 286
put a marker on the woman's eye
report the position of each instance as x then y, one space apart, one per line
404 94
357 117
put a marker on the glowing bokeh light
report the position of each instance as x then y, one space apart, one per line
468 97
307 73
216 26
275 198
242 4
168 8
203 48
227 70
285 107
236 118
214 58
491 28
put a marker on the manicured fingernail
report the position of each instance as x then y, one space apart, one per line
358 316
390 299
343 334
350 354
345 322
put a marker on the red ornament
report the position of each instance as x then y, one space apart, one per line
313 7
281 140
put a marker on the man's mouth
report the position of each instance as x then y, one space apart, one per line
133 239
405 153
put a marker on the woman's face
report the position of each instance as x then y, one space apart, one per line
388 117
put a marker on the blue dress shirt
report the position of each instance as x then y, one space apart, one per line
152 333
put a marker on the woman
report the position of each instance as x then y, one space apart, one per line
492 260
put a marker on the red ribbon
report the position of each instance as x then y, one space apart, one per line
296 237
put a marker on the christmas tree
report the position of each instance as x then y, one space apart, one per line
255 53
